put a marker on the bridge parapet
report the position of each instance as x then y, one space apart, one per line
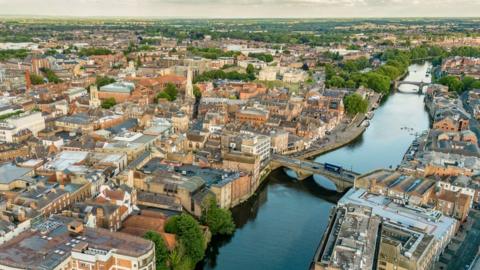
342 179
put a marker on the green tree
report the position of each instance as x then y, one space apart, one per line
378 83
251 72
36 79
109 103
50 75
189 234
265 57
350 84
161 251
196 92
476 85
9 54
453 83
102 81
172 91
390 71
469 83
354 104
138 63
94 51
162 95
336 81
218 220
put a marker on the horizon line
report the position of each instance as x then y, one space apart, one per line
31 16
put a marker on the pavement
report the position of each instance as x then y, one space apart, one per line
461 254
474 124
342 134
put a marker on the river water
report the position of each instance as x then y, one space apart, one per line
281 227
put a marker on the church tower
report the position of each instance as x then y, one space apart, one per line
189 88
94 101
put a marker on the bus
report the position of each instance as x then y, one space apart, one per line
333 168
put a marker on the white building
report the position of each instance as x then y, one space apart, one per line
76 92
267 74
295 76
427 221
32 121
257 145
254 62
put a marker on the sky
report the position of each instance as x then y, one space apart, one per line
242 8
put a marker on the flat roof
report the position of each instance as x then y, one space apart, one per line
66 159
49 243
10 172
428 221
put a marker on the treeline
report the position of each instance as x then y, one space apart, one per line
211 53
349 75
9 54
270 34
132 47
265 57
191 236
47 75
232 75
396 62
50 75
94 51
458 85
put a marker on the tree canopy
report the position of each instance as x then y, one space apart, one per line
109 103
354 104
102 81
189 234
9 54
196 92
50 75
161 251
218 220
36 79
265 57
169 93
94 51
220 74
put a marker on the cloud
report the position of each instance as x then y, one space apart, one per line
242 8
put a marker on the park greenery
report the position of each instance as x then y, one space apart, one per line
161 251
103 80
353 73
218 220
133 47
231 75
50 75
196 92
94 51
36 79
348 75
265 57
191 242
10 54
169 93
8 115
354 103
109 103
458 85
211 53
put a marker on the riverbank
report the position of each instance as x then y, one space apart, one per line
343 134
286 219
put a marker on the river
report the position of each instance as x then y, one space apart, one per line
281 227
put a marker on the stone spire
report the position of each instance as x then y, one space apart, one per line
189 87
94 100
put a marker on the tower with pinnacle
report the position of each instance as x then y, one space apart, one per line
94 100
189 88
